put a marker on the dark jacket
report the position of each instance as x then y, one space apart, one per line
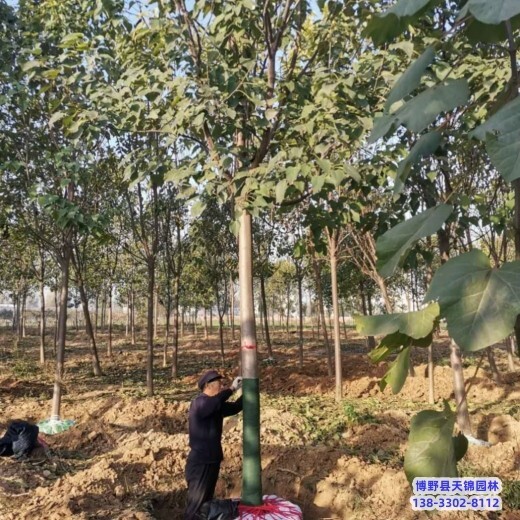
206 416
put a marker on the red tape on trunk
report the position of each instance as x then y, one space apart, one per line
248 347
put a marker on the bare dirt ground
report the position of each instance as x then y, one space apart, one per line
125 457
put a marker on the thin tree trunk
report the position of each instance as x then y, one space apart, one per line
265 317
96 315
42 317
333 246
367 311
458 387
132 318
232 307
167 334
175 360
110 320
221 337
300 320
431 380
96 368
149 327
345 333
127 315
252 471
62 333
495 374
24 305
206 332
56 320
317 277
155 313
510 346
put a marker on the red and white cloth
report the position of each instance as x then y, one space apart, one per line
273 508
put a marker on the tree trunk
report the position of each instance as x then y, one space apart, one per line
431 380
62 329
367 311
167 334
42 317
288 294
96 315
24 306
495 374
96 368
266 318
252 471
510 346
333 246
300 321
345 333
56 320
206 332
110 322
149 326
127 314
155 313
175 360
317 277
232 307
221 337
132 318
463 419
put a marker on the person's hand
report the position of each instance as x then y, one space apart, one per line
236 384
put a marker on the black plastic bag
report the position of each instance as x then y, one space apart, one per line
19 440
217 509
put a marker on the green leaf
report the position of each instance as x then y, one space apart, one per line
501 132
29 65
425 146
391 343
411 78
417 324
198 207
281 188
460 446
423 109
431 450
480 304
393 247
271 113
386 26
317 182
56 117
397 373
495 11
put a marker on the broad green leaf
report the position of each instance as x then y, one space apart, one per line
460 446
56 117
391 343
29 65
281 188
480 304
198 207
393 247
417 324
423 109
501 132
431 450
411 78
397 373
425 146
394 21
493 11
317 182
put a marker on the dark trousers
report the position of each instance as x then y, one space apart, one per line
202 479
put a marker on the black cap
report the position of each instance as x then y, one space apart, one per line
210 375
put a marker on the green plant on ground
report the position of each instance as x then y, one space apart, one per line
511 494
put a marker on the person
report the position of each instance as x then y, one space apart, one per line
205 419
